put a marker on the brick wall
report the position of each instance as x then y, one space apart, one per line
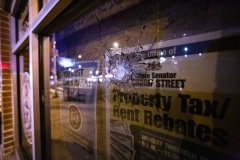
5 85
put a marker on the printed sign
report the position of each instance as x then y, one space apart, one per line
186 109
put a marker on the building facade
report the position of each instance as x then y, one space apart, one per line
119 79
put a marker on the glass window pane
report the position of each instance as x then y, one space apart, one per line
147 80
22 20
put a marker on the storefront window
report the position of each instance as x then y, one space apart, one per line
146 80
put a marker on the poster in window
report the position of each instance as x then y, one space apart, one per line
187 108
